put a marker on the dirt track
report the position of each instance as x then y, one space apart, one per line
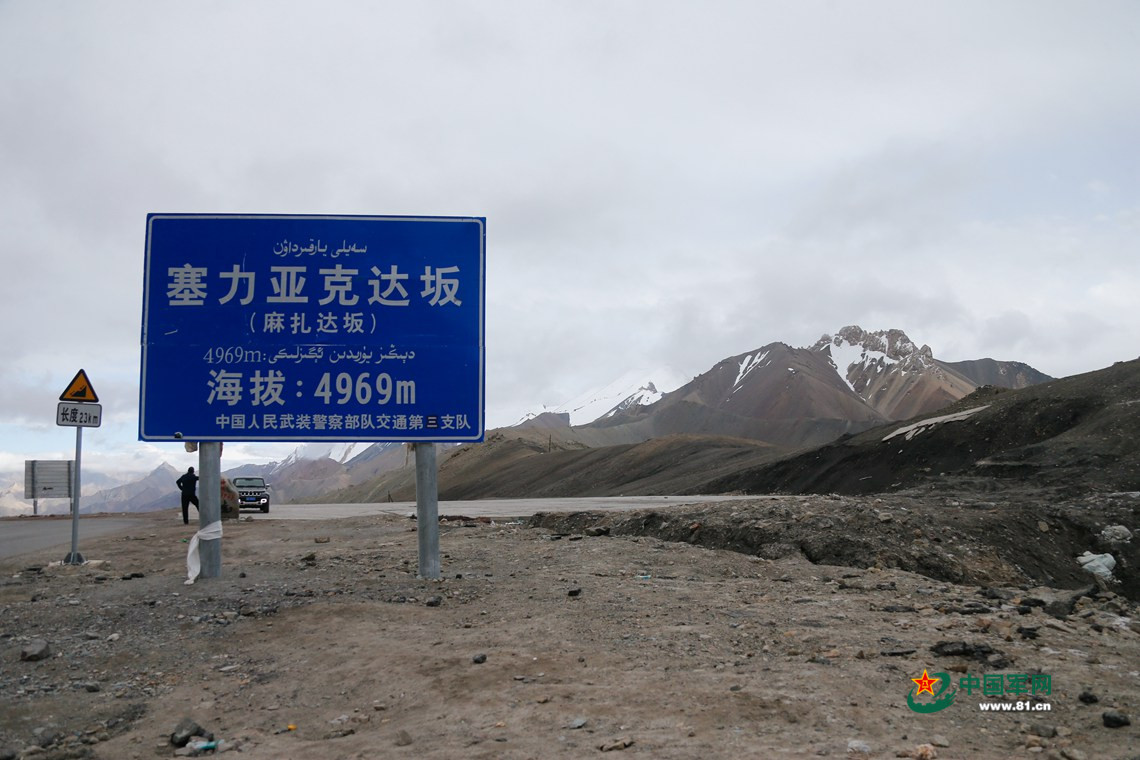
543 641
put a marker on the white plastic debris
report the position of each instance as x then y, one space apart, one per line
1100 565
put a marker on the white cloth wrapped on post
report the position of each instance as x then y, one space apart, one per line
211 532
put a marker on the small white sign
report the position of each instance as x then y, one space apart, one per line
71 414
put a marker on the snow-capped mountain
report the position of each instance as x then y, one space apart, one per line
888 371
632 389
900 379
336 451
807 396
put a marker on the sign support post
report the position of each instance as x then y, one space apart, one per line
78 407
75 558
210 506
427 510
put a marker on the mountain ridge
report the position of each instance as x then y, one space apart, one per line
778 397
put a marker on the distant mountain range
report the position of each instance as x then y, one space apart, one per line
1076 436
755 405
310 471
12 502
796 397
751 407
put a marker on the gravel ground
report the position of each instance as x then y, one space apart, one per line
574 635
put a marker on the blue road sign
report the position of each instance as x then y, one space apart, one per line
304 328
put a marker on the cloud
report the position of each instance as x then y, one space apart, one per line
664 182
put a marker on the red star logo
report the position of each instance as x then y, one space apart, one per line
926 683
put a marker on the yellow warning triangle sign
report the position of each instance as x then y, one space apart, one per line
79 389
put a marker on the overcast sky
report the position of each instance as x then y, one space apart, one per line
665 183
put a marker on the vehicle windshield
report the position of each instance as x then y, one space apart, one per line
249 482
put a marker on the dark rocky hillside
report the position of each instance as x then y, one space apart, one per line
1002 374
1076 435
535 463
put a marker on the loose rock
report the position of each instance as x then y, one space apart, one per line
616 744
1115 719
981 652
185 731
1116 534
35 650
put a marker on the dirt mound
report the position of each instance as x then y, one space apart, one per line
986 542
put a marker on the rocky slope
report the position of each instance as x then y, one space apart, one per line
539 463
1074 435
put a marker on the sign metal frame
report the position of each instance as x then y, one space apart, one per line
48 478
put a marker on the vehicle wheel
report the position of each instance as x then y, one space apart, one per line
264 507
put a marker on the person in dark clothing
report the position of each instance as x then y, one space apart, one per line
188 485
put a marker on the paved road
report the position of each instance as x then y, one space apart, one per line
485 507
31 535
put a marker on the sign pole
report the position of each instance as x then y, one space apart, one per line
427 510
75 558
210 506
79 408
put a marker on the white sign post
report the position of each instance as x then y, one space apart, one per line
78 409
